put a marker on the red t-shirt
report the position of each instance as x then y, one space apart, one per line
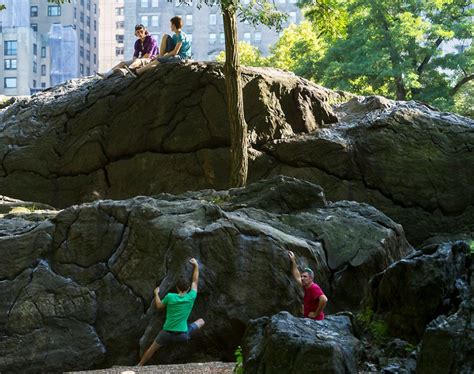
311 300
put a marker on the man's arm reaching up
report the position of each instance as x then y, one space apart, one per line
194 285
158 303
294 268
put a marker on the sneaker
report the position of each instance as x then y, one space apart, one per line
101 75
130 71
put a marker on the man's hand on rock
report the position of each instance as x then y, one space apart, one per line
292 257
157 290
194 262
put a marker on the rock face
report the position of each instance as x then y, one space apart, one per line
415 290
168 131
285 344
83 281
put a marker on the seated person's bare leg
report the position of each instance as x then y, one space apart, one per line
200 323
163 45
149 353
147 67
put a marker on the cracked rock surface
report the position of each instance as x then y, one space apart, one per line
79 293
168 131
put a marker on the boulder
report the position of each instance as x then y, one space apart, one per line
168 131
424 285
89 272
284 344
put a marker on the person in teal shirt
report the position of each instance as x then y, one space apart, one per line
178 308
174 48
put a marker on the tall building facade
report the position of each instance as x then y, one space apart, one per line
204 26
111 33
45 44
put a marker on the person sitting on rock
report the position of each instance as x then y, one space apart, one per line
178 307
145 49
314 298
173 49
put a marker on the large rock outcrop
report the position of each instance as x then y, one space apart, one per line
283 344
415 290
86 274
168 131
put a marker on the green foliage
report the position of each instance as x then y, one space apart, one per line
248 55
374 325
390 48
239 361
471 248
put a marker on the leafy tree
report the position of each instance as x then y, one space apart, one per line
249 55
393 48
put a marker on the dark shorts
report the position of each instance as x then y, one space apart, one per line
169 337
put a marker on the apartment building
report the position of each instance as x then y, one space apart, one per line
204 26
111 33
45 44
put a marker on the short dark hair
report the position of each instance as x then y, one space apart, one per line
183 283
309 271
177 21
139 27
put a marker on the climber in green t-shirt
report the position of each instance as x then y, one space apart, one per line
178 307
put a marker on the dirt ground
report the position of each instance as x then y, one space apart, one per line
197 368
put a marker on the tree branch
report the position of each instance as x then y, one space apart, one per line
462 82
427 59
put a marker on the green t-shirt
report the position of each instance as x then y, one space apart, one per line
178 309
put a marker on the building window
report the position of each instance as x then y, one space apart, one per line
95 59
43 85
10 64
75 13
212 19
222 38
43 70
88 5
35 67
119 11
88 19
247 36
81 34
95 8
88 71
120 25
118 51
54 10
257 36
81 51
9 48
88 38
34 26
189 20
34 11
154 21
34 83
119 38
144 20
35 49
43 52
81 68
95 25
88 55
212 38
95 42
81 17
9 82
144 3
154 3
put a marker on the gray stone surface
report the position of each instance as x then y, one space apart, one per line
285 344
80 294
168 131
431 282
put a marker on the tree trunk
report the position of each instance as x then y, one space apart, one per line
461 83
235 103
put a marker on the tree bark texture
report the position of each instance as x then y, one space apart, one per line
235 102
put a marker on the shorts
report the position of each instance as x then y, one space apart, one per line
141 61
170 44
168 337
